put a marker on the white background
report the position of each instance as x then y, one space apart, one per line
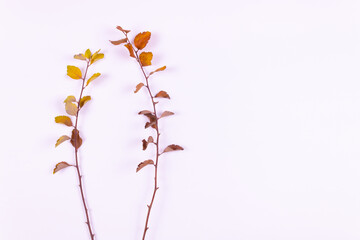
267 103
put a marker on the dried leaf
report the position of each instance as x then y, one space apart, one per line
131 50
143 164
173 147
88 54
118 42
61 165
74 72
80 56
145 58
64 120
162 94
144 112
84 100
71 108
62 139
76 140
92 78
158 70
141 40
166 113
70 99
96 57
138 87
123 30
144 144
150 139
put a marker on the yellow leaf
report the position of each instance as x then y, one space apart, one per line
96 57
84 100
64 120
141 40
145 58
162 94
92 78
61 140
118 42
74 72
138 87
71 108
143 164
88 54
75 140
70 99
123 30
158 70
61 165
131 50
80 56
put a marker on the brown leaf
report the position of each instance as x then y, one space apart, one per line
145 144
138 87
142 39
144 112
64 120
118 42
166 113
173 147
61 165
145 58
62 139
123 30
84 100
162 94
131 50
71 108
143 164
150 139
158 70
76 140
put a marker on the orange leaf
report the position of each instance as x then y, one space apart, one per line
123 30
162 94
62 139
75 140
64 120
173 147
131 50
158 70
61 165
144 112
138 87
143 164
166 113
145 58
141 40
145 144
118 42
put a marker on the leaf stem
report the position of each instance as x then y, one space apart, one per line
92 236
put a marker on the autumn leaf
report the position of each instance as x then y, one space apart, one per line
61 140
173 147
158 70
76 140
84 100
162 94
145 58
70 99
138 87
144 144
131 50
143 112
64 120
88 54
92 78
166 113
143 164
118 42
123 30
150 139
61 165
96 57
80 56
74 72
141 40
71 108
